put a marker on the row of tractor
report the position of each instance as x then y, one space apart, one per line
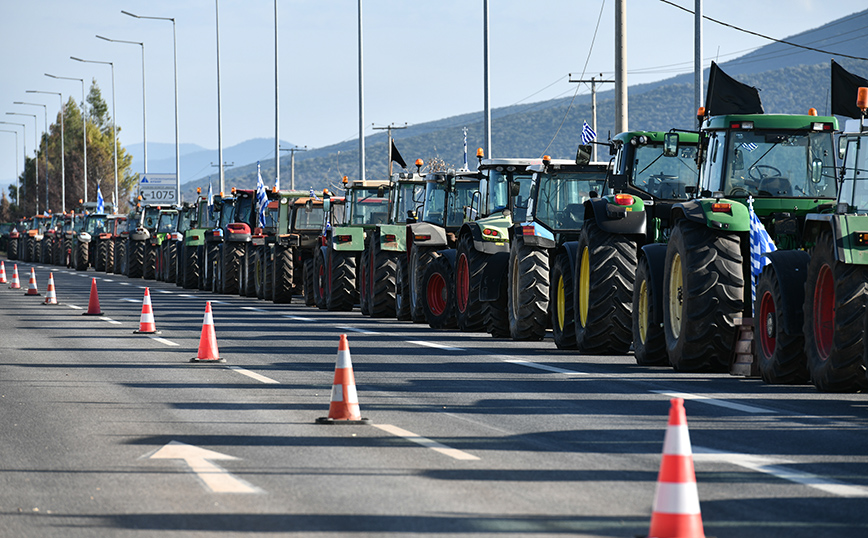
679 247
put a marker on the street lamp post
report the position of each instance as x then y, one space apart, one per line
219 117
62 151
114 124
144 103
177 139
17 168
44 153
83 127
35 138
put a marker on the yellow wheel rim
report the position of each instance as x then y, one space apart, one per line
676 299
643 311
562 303
584 285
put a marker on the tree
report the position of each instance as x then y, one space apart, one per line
5 209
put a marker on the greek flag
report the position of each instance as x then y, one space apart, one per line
313 194
588 134
100 202
465 149
261 197
750 146
760 243
210 202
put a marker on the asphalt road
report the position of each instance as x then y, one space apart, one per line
110 433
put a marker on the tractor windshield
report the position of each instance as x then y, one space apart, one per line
561 197
438 211
95 224
185 220
227 212
243 209
308 217
410 198
167 223
152 216
854 189
775 164
499 183
664 177
368 207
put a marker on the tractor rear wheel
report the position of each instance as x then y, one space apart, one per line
364 279
249 271
109 256
561 303
12 249
527 291
438 298
780 355
469 267
383 268
259 272
135 258
703 286
233 255
191 267
402 289
172 262
101 254
834 310
149 266
283 266
420 257
81 261
605 273
309 283
319 275
341 281
649 340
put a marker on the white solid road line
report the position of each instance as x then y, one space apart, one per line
427 443
110 320
356 330
162 340
253 309
435 345
127 299
717 402
297 318
253 375
546 367
75 307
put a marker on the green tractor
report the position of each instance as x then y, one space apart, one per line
785 164
141 225
385 244
189 267
623 237
334 213
367 206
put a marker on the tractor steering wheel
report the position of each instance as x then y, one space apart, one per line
759 170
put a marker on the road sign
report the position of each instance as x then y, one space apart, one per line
158 189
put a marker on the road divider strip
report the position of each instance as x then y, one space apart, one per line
356 330
435 345
719 403
110 320
253 309
427 443
74 307
253 375
545 367
162 340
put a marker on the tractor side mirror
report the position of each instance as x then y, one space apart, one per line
670 145
816 170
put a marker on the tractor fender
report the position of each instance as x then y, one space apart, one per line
700 211
449 254
571 249
483 245
622 223
436 234
655 253
791 268
493 275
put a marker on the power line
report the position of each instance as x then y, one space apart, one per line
790 43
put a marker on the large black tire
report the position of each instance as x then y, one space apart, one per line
57 251
259 271
191 267
836 296
319 274
135 258
603 302
12 249
703 286
149 267
270 276
101 255
309 283
81 261
780 355
527 290
283 269
29 246
402 288
341 292
420 257
209 256
121 257
233 255
45 249
469 267
649 340
249 271
109 255
438 300
383 287
364 281
561 303
497 312
172 262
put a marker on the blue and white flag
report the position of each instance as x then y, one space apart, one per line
588 134
760 243
465 149
261 197
750 146
210 201
100 202
313 194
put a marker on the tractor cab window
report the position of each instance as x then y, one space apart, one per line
458 200
308 217
167 223
561 197
410 198
184 220
664 177
369 208
854 189
95 225
152 215
499 188
435 202
227 212
779 164
243 209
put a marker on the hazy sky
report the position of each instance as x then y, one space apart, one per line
423 59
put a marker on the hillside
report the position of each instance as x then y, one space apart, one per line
791 81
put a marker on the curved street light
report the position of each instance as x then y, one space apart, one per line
17 171
62 152
35 138
83 127
44 153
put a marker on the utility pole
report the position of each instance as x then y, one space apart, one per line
219 117
276 109
593 82
697 58
621 116
292 164
486 77
389 128
361 101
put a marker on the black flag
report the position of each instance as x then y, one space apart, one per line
396 156
845 85
729 96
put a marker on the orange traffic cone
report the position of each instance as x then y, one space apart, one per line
50 295
344 406
3 273
208 341
93 303
16 285
31 289
146 324
676 501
